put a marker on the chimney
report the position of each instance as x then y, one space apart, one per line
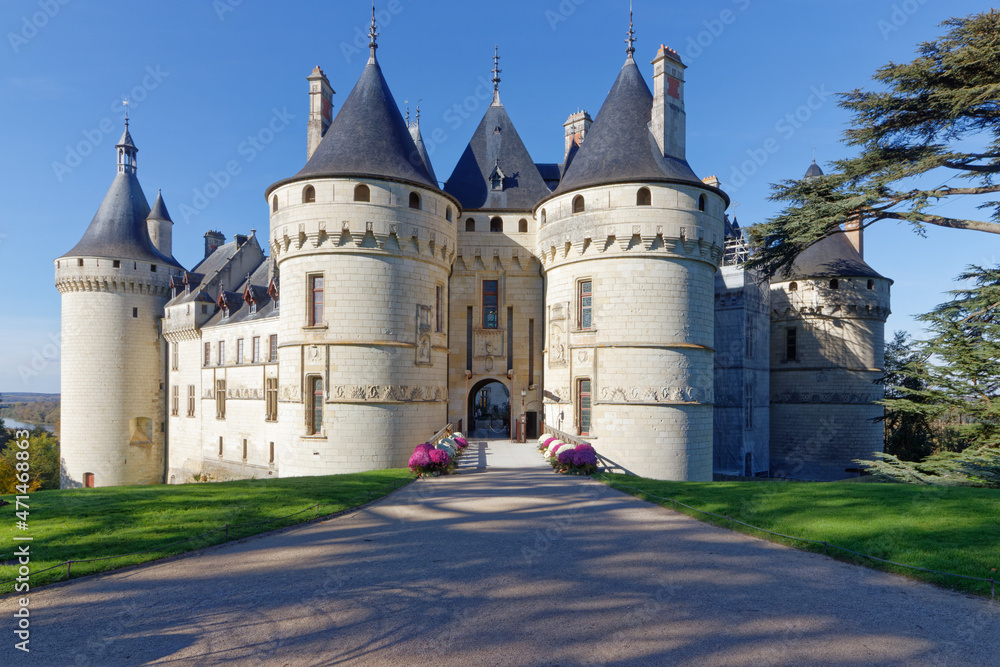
669 122
855 232
212 241
320 110
576 130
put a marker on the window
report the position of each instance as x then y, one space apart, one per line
793 287
362 193
748 408
220 446
510 339
190 400
308 195
415 200
271 399
116 264
239 350
644 197
470 225
702 203
256 349
204 309
871 284
135 313
522 226
79 262
245 448
208 355
271 447
586 304
88 480
175 357
583 406
545 217
491 304
496 225
578 204
448 215
222 353
152 268
175 400
274 204
315 407
316 305
273 347
438 313
834 284
220 400
791 345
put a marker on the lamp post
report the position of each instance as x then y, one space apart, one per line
524 425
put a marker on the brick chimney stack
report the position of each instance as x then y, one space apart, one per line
320 109
669 121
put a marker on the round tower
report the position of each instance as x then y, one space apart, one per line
827 350
114 284
363 240
630 242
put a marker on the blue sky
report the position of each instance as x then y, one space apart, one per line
220 81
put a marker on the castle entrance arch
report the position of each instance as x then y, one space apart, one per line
489 410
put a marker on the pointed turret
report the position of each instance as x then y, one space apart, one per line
496 171
160 227
421 149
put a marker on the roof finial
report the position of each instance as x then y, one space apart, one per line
373 33
418 113
125 104
407 102
632 39
496 74
814 155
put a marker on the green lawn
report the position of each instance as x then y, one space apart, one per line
948 529
91 523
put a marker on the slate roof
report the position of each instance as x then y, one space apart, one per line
119 229
159 211
497 143
813 171
418 141
368 138
239 307
833 257
620 147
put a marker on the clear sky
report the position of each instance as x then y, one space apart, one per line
218 81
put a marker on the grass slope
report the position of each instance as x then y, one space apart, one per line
91 523
947 529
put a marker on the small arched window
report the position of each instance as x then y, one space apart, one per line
470 225
448 215
415 200
522 226
308 195
578 204
644 197
702 203
496 225
274 204
362 193
793 287
834 284
871 284
545 217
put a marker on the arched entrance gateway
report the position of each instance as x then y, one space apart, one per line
489 410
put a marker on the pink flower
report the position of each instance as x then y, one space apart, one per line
462 442
419 459
426 447
583 457
440 457
549 442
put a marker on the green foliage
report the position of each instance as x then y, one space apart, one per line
972 467
908 435
938 115
110 521
940 528
34 412
43 462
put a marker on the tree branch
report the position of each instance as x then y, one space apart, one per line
951 223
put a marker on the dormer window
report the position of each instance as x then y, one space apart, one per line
496 178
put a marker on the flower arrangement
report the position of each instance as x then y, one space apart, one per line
570 459
440 459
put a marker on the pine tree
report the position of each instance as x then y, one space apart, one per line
909 435
936 116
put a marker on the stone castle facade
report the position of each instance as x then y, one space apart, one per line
604 296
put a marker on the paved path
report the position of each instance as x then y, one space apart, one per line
502 566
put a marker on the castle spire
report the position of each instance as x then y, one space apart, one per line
373 36
632 39
126 149
496 75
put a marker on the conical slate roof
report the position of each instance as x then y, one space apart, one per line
369 138
126 139
418 141
496 143
620 147
159 211
813 171
833 257
119 229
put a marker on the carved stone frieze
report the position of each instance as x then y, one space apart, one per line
652 395
386 394
490 343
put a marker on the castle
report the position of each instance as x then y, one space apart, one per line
604 296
